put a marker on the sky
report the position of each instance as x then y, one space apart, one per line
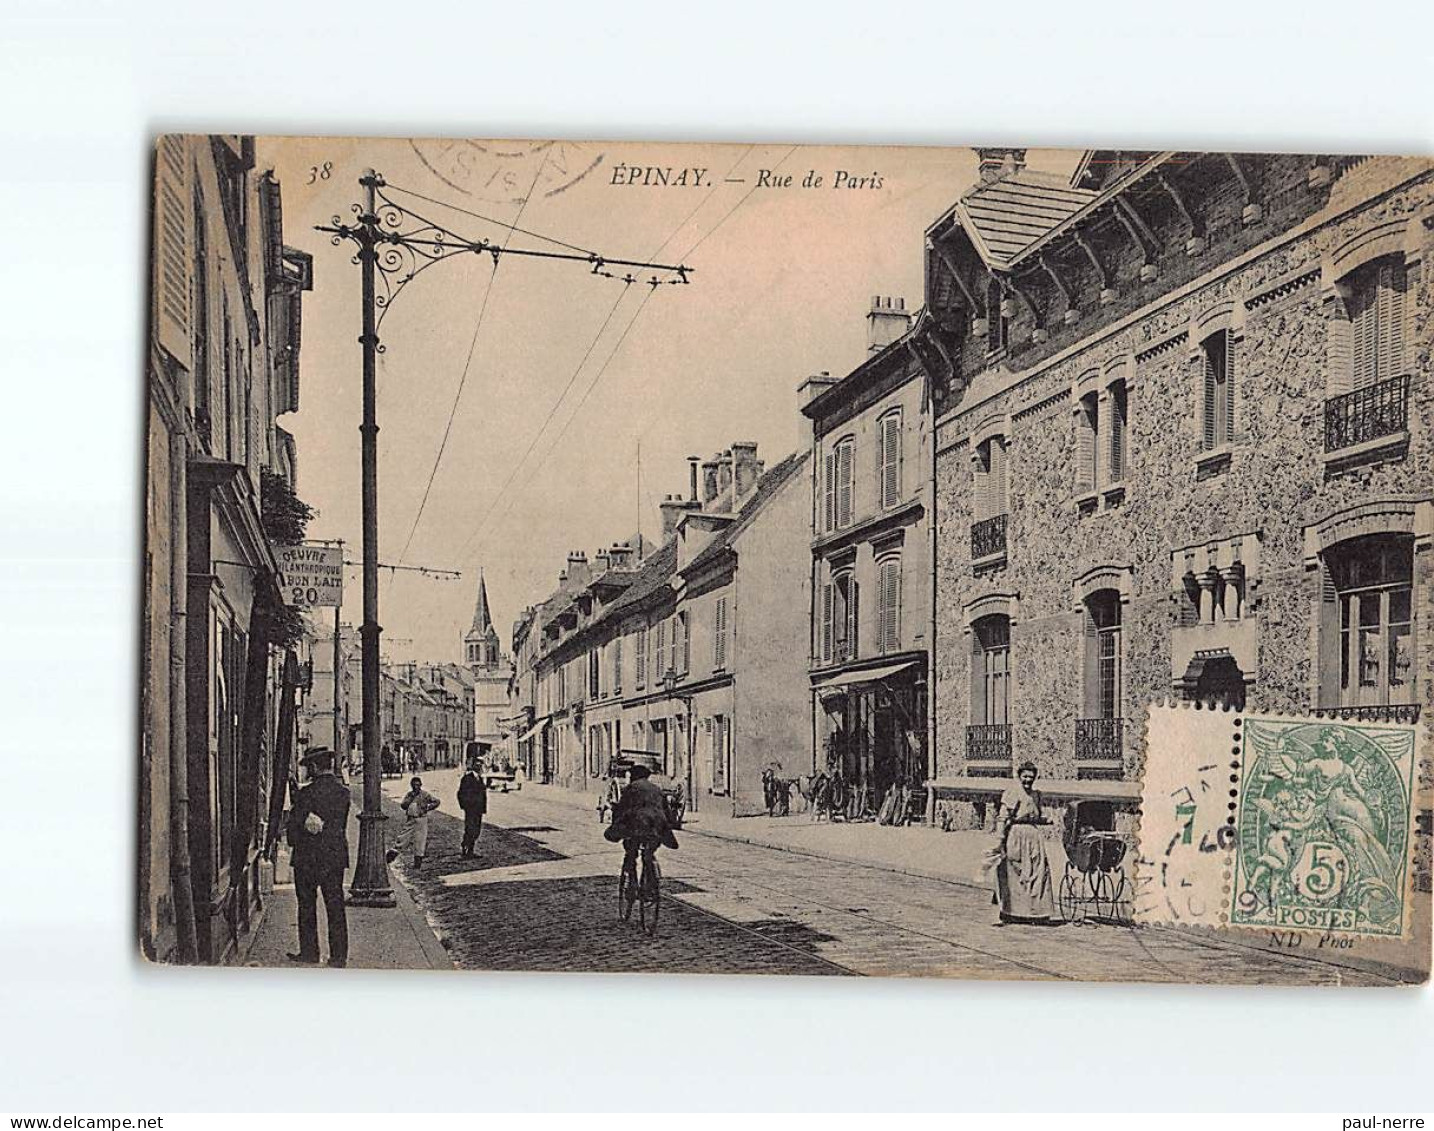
566 376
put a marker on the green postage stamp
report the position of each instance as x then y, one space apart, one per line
1323 826
1277 823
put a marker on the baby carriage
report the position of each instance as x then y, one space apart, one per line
1094 884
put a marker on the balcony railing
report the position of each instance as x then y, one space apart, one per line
988 742
1099 740
1366 414
988 537
1377 713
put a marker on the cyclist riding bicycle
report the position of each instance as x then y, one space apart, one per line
639 819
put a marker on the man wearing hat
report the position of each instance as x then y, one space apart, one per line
318 836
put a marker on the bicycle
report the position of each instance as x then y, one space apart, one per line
642 888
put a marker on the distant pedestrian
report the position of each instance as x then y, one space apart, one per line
416 805
318 839
473 800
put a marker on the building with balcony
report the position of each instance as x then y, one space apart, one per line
1192 458
870 556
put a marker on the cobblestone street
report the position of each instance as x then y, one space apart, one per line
542 895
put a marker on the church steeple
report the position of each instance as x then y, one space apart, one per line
482 620
480 644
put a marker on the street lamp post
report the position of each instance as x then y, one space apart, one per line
395 244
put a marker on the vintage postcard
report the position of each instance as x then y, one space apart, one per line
988 563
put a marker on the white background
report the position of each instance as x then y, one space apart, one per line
85 86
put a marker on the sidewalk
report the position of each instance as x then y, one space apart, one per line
912 850
380 938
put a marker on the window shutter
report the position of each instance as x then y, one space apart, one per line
719 639
844 483
890 632
1232 370
1365 330
996 500
173 257
853 617
1339 345
889 479
1091 666
686 643
660 650
617 664
828 600
1085 446
979 477
1330 640
1391 323
1207 438
640 658
829 502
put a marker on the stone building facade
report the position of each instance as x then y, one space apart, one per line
1192 458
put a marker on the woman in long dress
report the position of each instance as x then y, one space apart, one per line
1023 875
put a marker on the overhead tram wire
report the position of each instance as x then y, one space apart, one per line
468 362
552 412
488 514
636 314
513 227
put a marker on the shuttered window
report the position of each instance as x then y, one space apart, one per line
683 655
617 665
991 640
1103 654
829 493
844 482
889 465
1376 315
1119 409
828 602
661 649
173 257
889 604
1087 443
719 634
640 658
1218 403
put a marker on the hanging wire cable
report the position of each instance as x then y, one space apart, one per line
513 227
552 412
468 362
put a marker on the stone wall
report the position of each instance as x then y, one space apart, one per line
1276 484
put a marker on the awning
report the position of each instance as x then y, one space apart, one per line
867 675
535 728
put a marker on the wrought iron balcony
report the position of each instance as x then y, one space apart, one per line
988 537
1366 414
1099 740
1376 713
988 742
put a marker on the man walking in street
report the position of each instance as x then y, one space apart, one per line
318 838
473 800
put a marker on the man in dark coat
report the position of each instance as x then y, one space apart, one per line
318 836
473 800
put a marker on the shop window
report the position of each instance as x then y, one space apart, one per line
1367 624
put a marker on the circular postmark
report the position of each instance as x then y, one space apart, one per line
506 172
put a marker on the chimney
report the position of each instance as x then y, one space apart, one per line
998 163
709 479
886 321
620 555
692 462
813 387
578 571
745 467
602 561
724 472
673 507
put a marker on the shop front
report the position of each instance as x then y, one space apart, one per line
871 734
